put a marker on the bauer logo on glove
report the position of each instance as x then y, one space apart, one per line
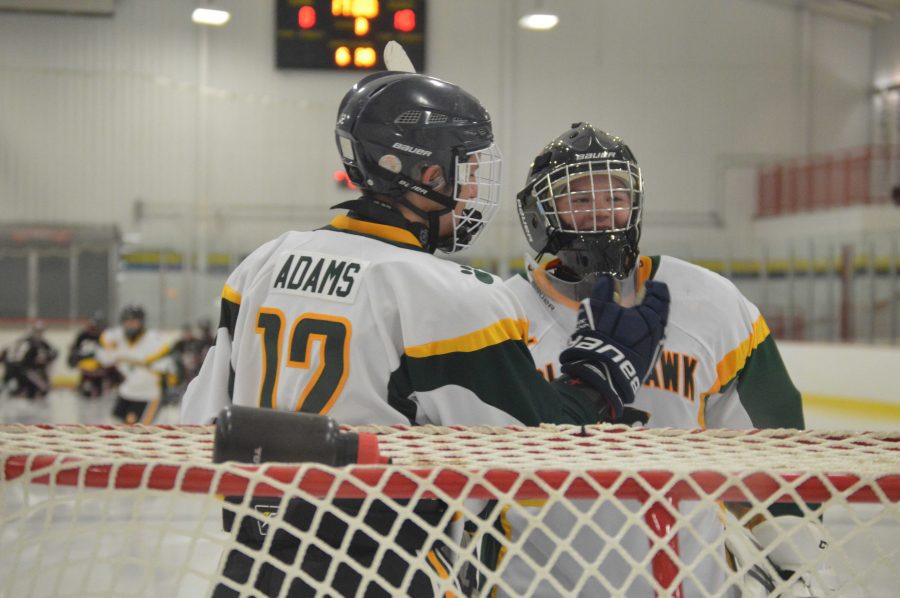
614 348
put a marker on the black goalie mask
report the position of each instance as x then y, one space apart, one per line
582 202
393 125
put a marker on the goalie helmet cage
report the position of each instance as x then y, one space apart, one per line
552 510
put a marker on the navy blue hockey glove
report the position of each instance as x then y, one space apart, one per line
614 348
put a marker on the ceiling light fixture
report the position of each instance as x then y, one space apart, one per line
538 21
210 16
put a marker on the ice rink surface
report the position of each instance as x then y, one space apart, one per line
178 533
182 536
64 407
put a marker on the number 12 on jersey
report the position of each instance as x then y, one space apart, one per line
333 336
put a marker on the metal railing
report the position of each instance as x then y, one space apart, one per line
859 176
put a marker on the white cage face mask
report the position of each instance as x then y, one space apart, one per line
477 195
592 197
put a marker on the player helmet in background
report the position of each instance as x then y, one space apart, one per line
38 328
97 321
128 316
392 125
589 239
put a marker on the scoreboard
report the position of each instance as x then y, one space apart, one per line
347 34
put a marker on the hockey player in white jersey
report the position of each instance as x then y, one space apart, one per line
358 319
141 356
719 367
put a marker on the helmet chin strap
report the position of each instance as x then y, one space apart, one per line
428 234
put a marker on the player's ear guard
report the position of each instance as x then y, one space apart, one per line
252 435
614 348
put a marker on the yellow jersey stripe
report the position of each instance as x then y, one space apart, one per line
701 412
440 570
645 266
437 566
735 360
88 364
230 294
158 355
496 333
382 231
105 342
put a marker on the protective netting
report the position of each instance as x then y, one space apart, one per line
555 510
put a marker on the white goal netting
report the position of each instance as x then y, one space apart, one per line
555 510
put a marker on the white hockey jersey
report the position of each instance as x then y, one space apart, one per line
356 321
719 368
142 362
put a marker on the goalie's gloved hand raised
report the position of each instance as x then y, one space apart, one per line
614 347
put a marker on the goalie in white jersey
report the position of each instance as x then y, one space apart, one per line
719 367
358 319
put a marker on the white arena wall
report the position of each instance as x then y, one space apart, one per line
846 386
188 139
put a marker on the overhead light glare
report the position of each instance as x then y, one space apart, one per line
539 21
210 16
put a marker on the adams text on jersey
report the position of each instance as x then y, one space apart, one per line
312 274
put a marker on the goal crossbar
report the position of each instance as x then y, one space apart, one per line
403 483
577 462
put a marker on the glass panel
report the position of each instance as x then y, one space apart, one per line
54 290
14 298
93 283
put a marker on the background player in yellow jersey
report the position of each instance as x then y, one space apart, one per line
719 367
141 356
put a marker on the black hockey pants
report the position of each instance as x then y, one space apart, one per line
331 529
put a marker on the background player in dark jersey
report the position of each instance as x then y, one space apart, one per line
28 363
95 380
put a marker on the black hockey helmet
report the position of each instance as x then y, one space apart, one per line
132 312
38 328
561 217
97 320
391 125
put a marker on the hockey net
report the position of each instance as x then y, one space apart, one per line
554 510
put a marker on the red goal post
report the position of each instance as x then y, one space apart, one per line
564 497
